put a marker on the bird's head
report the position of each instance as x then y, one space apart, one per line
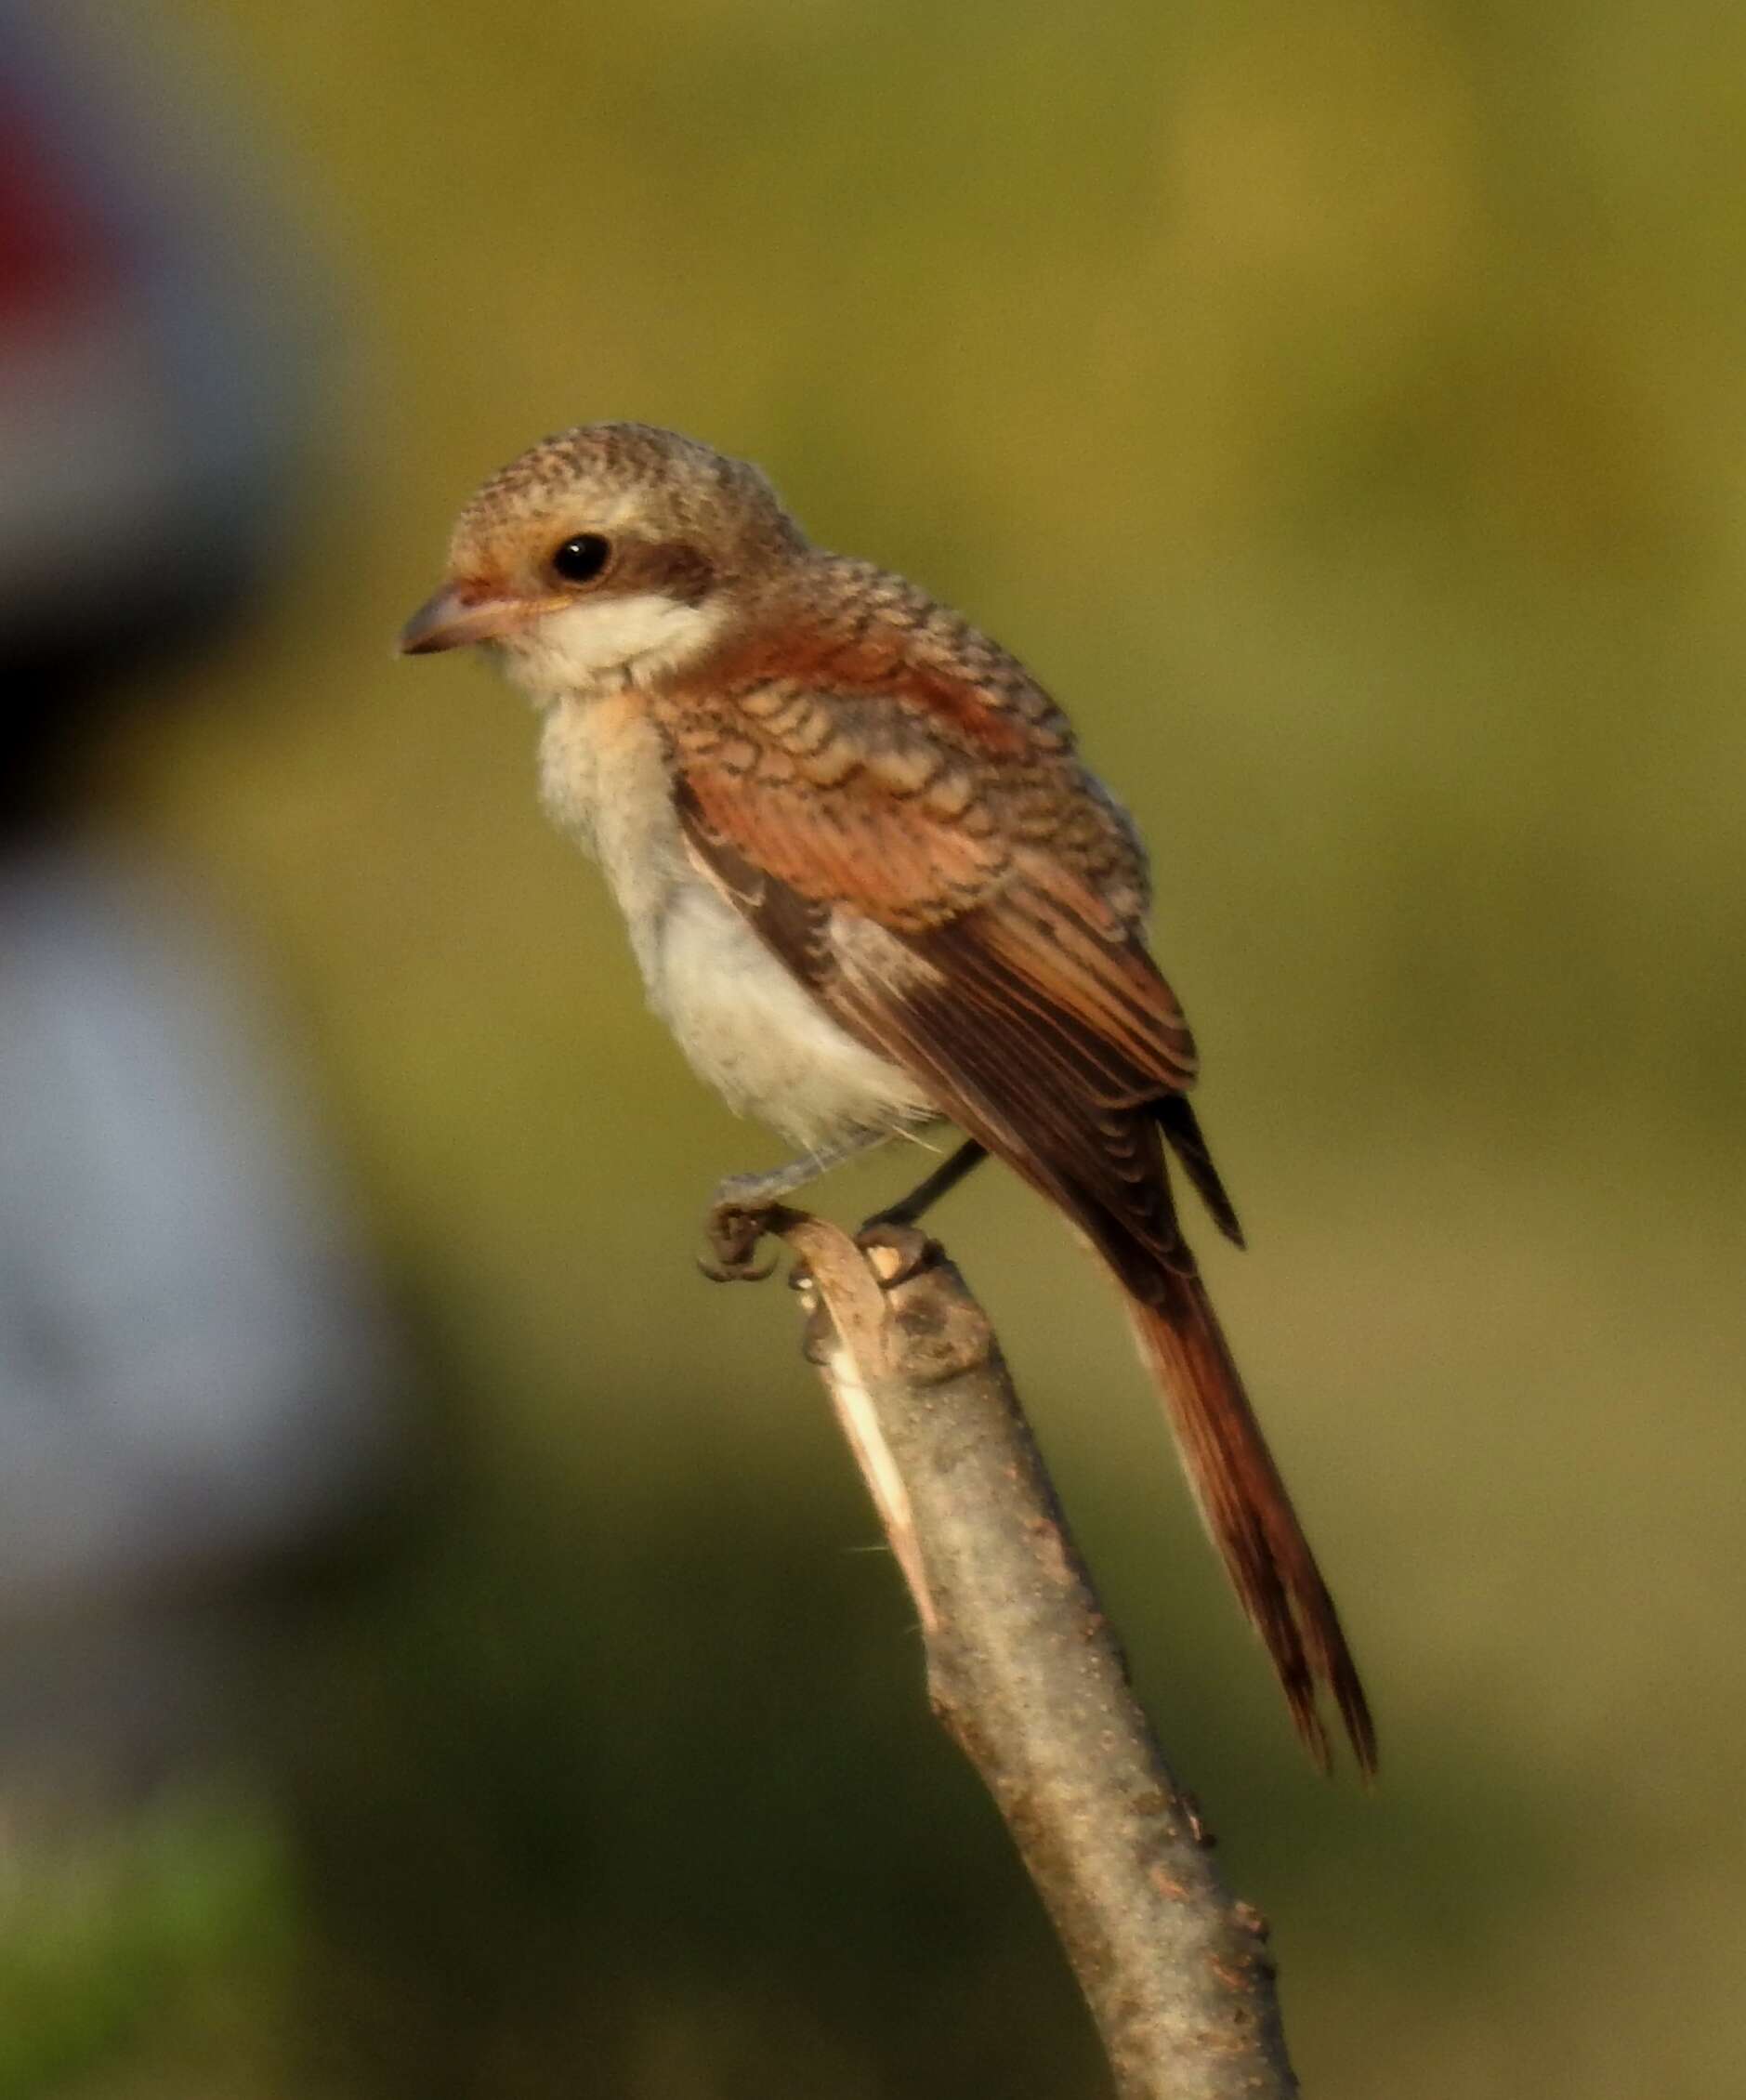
610 551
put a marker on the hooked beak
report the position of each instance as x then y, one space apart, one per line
458 616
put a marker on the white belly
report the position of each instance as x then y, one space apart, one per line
746 1025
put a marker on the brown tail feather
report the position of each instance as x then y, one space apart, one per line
1250 1515
1176 1119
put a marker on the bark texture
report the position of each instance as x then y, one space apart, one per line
1026 1673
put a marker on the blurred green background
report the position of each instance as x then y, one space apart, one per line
1341 408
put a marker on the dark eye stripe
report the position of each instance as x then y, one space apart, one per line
678 570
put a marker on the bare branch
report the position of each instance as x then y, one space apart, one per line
1024 1670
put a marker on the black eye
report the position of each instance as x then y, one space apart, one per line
582 559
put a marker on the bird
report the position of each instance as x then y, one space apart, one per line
872 889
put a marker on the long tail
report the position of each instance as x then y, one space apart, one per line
1248 1514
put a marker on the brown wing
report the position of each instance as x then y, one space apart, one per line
1035 1026
900 810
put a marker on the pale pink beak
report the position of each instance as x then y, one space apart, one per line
459 616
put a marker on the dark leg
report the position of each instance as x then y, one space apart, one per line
911 1209
742 1204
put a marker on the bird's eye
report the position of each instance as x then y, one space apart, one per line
581 560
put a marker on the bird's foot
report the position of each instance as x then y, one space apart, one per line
732 1232
744 1209
747 1207
899 1250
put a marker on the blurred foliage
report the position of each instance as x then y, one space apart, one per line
182 1921
1341 408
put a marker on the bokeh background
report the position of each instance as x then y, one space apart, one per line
1341 408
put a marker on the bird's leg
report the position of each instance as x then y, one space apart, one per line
894 1227
741 1210
911 1209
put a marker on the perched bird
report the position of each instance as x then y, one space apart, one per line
871 886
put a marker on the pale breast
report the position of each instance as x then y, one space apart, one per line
746 1025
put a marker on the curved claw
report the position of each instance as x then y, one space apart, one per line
736 1272
733 1232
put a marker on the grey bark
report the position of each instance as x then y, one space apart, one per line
1026 1674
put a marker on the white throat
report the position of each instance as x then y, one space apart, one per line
606 643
